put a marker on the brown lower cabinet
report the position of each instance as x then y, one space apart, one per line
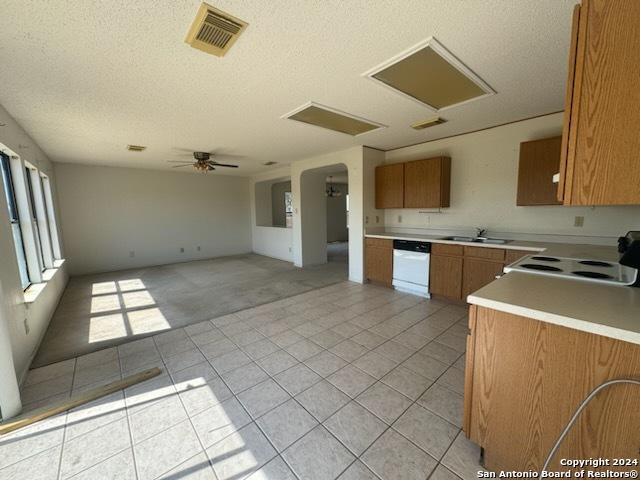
524 379
455 271
445 276
458 271
477 273
379 260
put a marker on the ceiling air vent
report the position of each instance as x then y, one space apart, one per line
214 31
431 75
332 119
136 148
430 122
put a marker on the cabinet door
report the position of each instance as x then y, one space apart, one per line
568 102
603 144
445 276
426 183
379 264
539 161
512 256
477 273
390 186
528 377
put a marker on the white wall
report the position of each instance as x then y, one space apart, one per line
109 212
270 241
13 309
373 218
313 217
353 159
484 168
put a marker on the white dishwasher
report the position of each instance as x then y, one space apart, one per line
411 267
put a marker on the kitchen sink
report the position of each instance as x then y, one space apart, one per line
459 239
495 241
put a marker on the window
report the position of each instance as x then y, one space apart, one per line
14 219
51 216
34 219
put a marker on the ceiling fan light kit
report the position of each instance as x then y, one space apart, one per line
332 191
203 162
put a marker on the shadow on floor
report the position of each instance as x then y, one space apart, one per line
103 310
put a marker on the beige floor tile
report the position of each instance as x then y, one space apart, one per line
163 452
297 378
384 402
322 400
393 457
240 453
355 427
427 430
318 456
263 397
285 424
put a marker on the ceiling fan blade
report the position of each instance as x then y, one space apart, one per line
230 156
210 168
223 165
178 166
180 149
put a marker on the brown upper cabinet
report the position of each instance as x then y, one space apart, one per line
600 141
417 184
426 183
539 161
390 186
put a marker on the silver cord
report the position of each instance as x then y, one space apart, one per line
584 403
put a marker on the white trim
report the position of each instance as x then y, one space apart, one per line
333 110
444 53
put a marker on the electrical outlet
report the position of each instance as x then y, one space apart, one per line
181 249
132 253
198 248
578 222
366 219
26 327
399 218
377 219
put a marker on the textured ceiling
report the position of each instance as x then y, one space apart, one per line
87 78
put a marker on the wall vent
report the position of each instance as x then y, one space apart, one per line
430 122
214 31
136 148
430 75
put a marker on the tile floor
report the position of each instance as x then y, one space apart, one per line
348 381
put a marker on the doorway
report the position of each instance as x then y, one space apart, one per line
337 198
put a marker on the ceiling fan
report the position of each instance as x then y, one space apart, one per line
203 162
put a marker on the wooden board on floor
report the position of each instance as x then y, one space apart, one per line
85 397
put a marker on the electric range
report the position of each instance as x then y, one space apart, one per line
588 270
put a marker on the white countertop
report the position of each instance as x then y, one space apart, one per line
611 311
593 252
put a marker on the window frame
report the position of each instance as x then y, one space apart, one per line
47 194
31 197
14 220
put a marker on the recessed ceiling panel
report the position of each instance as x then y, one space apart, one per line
332 119
430 74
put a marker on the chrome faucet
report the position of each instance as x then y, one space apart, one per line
480 231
